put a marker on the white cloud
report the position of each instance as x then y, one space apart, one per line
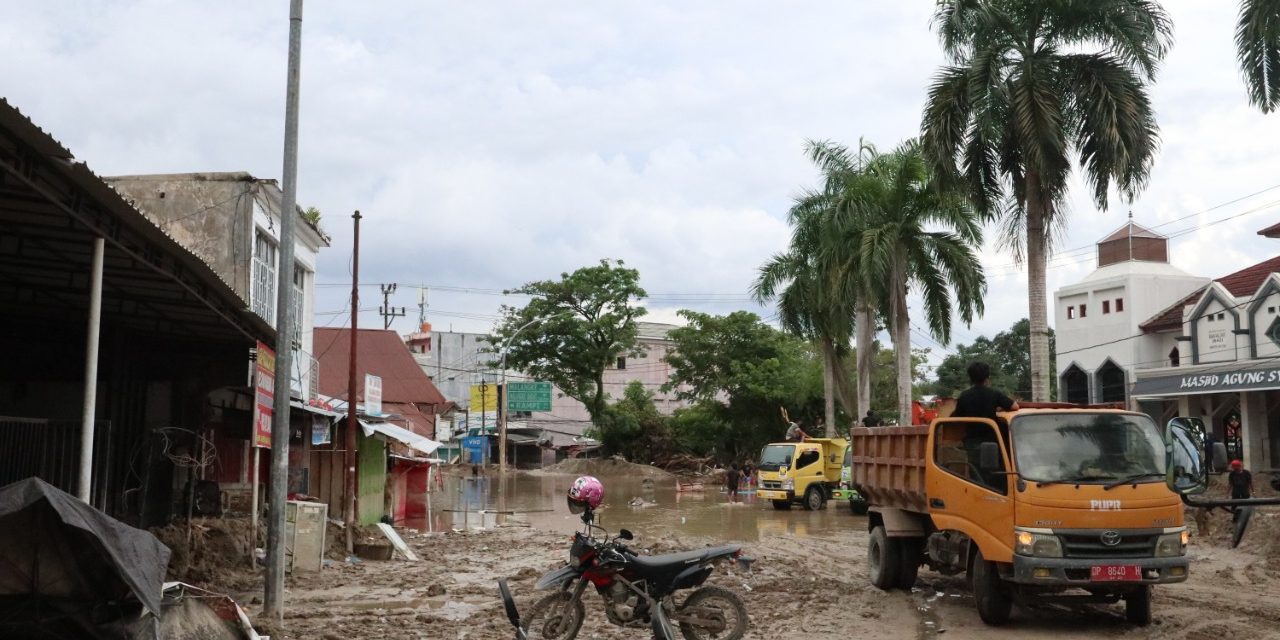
489 144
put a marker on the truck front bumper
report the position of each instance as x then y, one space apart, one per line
773 494
1076 572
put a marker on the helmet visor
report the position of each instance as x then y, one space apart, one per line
576 507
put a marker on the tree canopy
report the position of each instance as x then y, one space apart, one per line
573 329
1008 354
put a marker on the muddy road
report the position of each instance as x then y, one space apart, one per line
809 581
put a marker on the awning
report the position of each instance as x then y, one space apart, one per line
313 409
400 434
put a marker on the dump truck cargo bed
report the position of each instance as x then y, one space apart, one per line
889 466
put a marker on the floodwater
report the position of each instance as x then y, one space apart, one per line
649 508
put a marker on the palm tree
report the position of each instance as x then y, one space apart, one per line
1033 84
1258 49
807 306
913 231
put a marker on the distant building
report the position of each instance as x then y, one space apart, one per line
1095 319
456 361
232 221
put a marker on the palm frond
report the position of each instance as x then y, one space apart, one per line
1258 51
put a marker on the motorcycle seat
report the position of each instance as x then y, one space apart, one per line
668 562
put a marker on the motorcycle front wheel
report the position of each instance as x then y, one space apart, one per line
556 617
713 613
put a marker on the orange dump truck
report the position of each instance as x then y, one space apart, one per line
1052 501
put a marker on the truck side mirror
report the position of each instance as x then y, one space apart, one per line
1184 456
989 456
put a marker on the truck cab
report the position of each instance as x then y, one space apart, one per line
1051 500
805 472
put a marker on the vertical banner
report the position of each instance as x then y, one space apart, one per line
372 394
264 383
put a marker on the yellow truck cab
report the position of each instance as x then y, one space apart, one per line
1057 501
807 472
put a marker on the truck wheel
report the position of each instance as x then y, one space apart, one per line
814 499
782 505
990 592
883 559
910 552
1137 606
858 507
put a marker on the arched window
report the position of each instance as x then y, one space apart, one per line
1110 382
1174 359
1075 385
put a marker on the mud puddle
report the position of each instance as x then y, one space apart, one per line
648 507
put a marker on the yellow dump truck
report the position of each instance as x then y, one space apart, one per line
807 472
1053 502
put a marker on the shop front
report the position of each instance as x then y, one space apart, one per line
1217 393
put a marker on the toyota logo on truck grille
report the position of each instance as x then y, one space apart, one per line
1110 538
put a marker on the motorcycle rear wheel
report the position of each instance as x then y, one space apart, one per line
729 608
547 618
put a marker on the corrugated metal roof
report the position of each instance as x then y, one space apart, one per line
383 354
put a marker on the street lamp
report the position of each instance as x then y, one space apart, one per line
502 399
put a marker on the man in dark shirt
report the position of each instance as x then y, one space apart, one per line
731 479
980 400
1240 481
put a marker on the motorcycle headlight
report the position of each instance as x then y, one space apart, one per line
1172 545
1039 545
789 484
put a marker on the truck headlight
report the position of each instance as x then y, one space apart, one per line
1039 545
789 484
1172 545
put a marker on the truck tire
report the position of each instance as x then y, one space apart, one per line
782 505
858 507
990 592
1137 606
814 498
910 555
883 561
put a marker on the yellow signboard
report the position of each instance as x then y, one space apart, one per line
484 397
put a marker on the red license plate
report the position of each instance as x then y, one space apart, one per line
1115 573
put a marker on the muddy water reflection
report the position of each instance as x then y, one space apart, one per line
651 509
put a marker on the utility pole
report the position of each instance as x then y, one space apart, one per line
387 311
349 450
423 294
273 598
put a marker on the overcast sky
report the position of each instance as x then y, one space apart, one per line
493 143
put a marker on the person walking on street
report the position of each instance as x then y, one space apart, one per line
731 479
1239 487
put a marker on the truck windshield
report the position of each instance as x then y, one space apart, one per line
776 457
1087 447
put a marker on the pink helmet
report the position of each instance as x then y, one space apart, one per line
585 493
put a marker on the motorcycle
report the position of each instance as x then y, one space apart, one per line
638 591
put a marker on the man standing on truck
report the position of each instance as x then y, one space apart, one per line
795 433
981 400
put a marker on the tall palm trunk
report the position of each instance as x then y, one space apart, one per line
865 336
829 364
1037 259
901 338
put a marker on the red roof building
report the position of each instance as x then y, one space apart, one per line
406 389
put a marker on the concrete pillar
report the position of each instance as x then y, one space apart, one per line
1253 428
1184 407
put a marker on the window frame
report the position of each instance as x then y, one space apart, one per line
1084 310
1119 305
1071 312
999 440
1106 307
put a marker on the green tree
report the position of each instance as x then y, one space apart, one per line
914 231
633 428
1008 355
1033 84
1258 49
809 306
740 373
573 329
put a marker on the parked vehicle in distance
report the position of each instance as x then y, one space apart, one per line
805 472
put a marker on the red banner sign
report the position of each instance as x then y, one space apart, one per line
264 383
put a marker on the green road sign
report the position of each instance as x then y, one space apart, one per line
528 396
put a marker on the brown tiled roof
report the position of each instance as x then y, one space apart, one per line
1272 231
1241 283
382 353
